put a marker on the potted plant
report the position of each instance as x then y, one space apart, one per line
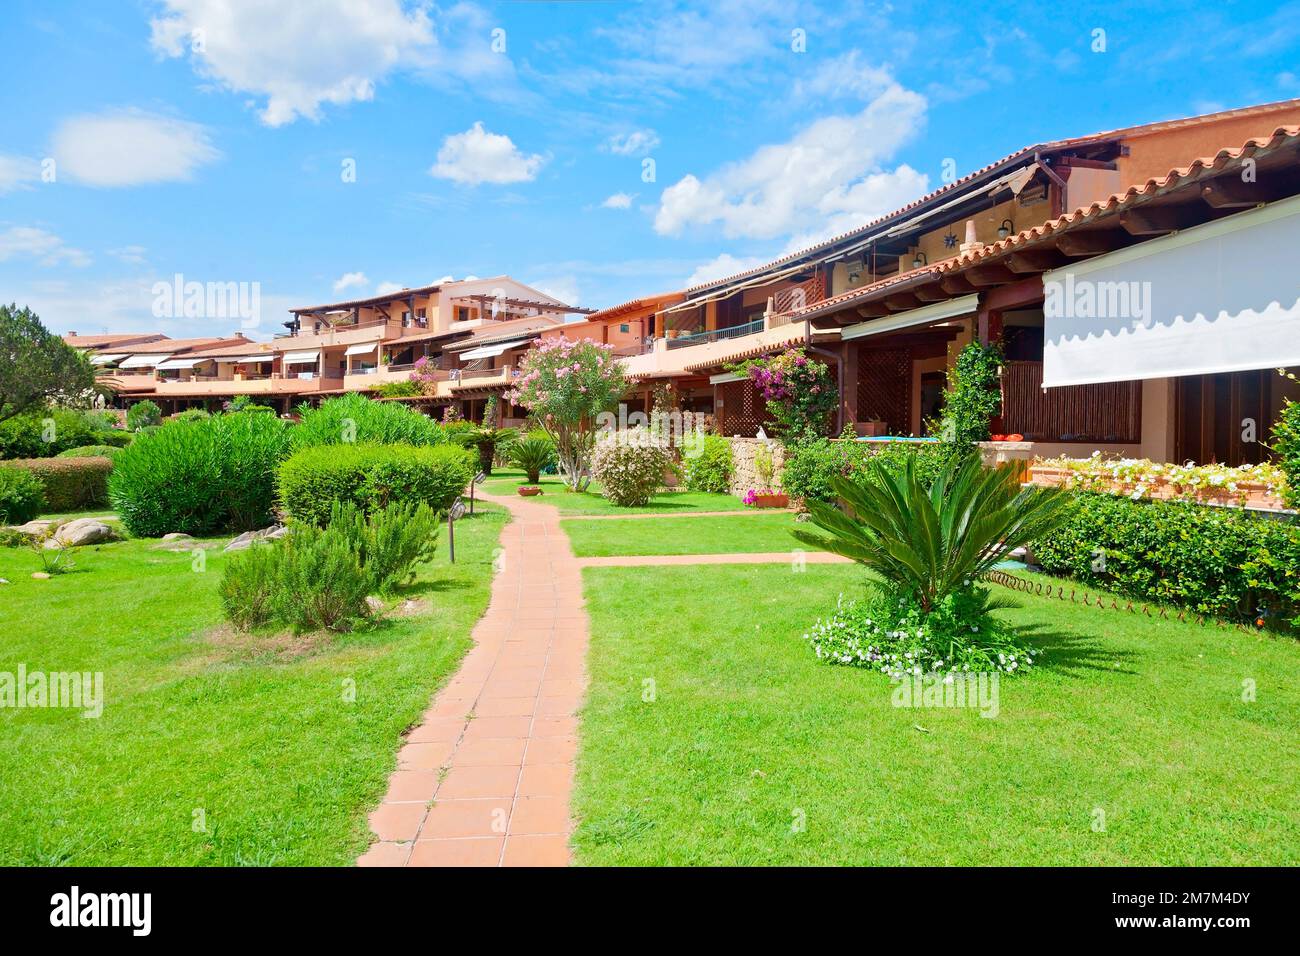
529 491
765 496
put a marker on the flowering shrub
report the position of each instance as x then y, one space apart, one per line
710 470
898 639
798 390
565 386
629 466
1137 477
425 375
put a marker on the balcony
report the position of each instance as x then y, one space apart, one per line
716 335
277 384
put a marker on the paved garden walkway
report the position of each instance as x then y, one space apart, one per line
484 780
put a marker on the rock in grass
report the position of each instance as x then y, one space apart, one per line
39 526
177 536
374 604
40 575
250 538
79 532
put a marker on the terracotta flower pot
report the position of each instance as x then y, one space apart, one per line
774 500
528 491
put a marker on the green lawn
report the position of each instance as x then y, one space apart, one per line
748 737
504 481
740 534
252 735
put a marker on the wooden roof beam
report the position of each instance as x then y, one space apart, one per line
931 293
873 310
1230 192
1153 220
1079 244
956 285
902 301
1034 260
985 276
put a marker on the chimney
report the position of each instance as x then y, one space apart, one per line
971 244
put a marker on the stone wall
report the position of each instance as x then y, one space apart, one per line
743 473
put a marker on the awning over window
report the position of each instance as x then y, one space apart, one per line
105 359
1221 297
488 351
172 364
244 359
925 315
143 361
297 358
365 348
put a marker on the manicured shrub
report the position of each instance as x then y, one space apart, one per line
1223 562
142 414
355 419
629 466
710 470
533 452
22 496
91 451
46 433
810 465
199 477
190 415
70 484
372 476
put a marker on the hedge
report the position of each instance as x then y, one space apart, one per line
1223 562
70 484
711 467
810 465
25 436
371 476
200 476
92 451
21 496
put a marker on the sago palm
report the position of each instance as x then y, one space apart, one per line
932 542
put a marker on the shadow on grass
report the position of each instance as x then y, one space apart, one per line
1075 654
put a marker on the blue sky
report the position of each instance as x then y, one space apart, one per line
213 138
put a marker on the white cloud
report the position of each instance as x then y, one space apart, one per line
28 242
477 156
385 288
639 142
844 76
297 55
16 172
723 266
828 173
348 280
618 201
564 288
130 147
131 255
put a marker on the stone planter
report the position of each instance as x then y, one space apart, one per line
1247 494
772 499
529 491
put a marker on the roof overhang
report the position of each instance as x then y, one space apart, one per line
927 315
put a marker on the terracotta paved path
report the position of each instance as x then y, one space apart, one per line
485 779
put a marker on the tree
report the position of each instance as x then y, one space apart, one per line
36 366
565 386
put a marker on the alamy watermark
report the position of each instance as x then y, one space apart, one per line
672 428
180 299
974 689
78 690
1074 298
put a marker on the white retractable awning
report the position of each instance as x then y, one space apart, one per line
143 361
297 358
1219 297
489 351
926 315
245 359
365 348
104 359
181 363
727 377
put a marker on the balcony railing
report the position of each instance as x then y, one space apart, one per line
717 335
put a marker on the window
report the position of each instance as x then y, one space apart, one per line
625 328
421 318
406 319
462 313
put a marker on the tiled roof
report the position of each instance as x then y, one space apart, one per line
797 334
1197 169
175 346
634 305
111 338
371 300
506 330
1006 160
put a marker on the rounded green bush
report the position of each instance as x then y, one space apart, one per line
44 433
355 419
92 451
371 476
22 497
630 467
201 476
710 469
143 414
70 484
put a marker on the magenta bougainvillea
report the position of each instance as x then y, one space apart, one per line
798 390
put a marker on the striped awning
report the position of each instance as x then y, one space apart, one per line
143 361
298 358
365 348
178 363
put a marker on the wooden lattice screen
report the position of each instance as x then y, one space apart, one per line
885 388
1106 412
743 409
799 296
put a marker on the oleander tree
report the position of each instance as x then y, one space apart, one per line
37 367
565 386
